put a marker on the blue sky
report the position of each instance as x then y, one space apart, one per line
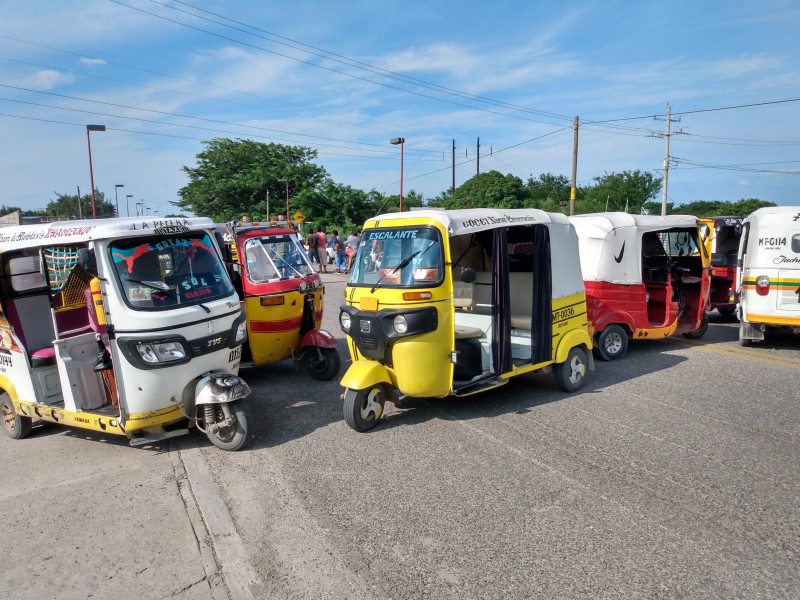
345 77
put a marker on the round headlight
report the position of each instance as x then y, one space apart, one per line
400 324
344 321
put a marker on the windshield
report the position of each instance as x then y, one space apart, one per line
275 257
399 257
165 272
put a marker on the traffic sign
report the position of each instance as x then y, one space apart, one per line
299 217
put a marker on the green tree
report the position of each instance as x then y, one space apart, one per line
232 178
629 190
722 208
66 206
549 192
492 189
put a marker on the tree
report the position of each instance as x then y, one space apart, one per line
627 191
490 189
549 192
232 178
66 206
722 208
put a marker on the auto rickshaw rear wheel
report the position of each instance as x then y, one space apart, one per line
571 374
15 425
612 342
727 312
700 331
237 436
364 408
322 363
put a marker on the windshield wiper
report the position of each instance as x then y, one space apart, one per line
163 288
402 265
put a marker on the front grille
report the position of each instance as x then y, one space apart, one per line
209 343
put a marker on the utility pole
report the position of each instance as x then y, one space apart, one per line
573 190
453 189
267 219
666 137
479 156
80 214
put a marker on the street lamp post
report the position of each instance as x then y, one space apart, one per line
128 203
395 142
116 196
286 181
91 173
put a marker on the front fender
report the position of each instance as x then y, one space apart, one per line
220 388
576 337
365 373
319 338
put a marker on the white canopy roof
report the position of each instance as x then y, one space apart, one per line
471 220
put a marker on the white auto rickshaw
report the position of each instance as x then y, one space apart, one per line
768 273
122 326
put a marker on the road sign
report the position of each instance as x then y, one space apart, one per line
299 217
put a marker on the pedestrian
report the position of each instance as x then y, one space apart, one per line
351 247
340 258
312 243
322 250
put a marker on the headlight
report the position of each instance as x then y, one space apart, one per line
344 321
241 331
400 324
161 352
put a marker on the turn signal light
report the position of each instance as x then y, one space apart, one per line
417 295
271 300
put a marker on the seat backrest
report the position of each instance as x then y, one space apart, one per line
462 294
32 321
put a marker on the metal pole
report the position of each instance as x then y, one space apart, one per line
666 168
401 174
128 203
287 198
80 214
573 190
91 172
454 166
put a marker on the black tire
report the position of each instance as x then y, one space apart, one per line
238 435
322 363
15 425
363 409
700 331
612 343
571 374
727 312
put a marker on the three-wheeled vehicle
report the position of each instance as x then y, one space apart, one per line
122 326
768 272
720 237
283 298
646 277
458 302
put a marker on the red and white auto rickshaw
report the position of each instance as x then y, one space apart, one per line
645 277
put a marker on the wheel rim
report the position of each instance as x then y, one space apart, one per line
371 407
576 370
9 418
613 343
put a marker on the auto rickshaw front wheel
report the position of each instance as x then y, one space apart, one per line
364 408
571 374
236 435
15 425
322 363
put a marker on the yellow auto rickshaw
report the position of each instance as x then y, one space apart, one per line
457 302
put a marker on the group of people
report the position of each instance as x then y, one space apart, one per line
344 250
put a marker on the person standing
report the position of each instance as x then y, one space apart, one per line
340 259
351 249
322 250
312 243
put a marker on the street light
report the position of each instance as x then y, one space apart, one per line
395 142
116 196
91 173
128 203
286 181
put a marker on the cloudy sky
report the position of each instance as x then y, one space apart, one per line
345 77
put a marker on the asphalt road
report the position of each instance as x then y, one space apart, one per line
672 474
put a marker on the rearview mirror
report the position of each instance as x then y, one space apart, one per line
467 274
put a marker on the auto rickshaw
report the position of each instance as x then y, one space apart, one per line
720 236
282 296
457 302
768 273
646 277
121 326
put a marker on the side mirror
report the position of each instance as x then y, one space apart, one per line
87 260
467 274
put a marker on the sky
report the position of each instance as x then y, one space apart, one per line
500 81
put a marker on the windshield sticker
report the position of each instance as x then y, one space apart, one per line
395 234
139 294
486 221
129 256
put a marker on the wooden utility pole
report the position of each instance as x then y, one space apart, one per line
479 156
453 189
573 190
666 137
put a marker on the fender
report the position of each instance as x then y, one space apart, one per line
611 318
364 373
576 337
7 386
319 338
220 388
